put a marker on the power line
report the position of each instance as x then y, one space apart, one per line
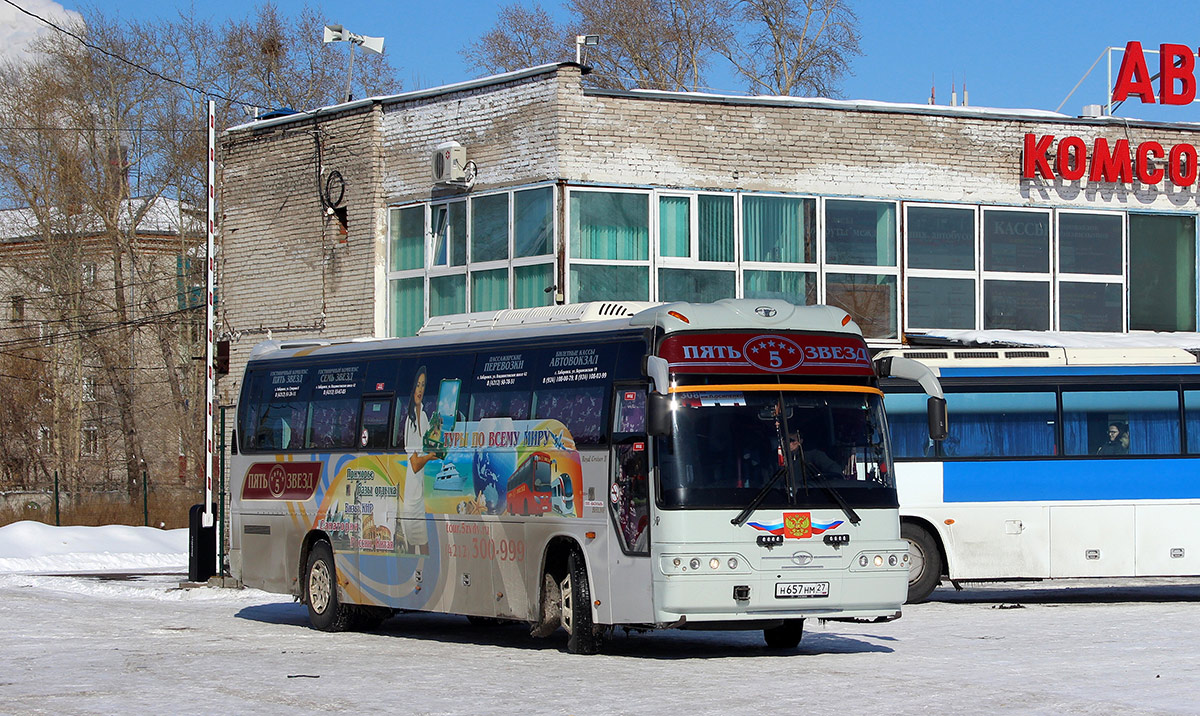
118 58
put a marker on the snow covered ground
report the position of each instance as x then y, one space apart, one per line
102 645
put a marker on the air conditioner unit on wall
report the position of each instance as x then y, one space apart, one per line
449 163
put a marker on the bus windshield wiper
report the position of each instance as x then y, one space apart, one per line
841 501
758 498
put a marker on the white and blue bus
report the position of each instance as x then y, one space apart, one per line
1059 463
582 467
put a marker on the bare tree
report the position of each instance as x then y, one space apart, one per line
787 47
522 37
100 133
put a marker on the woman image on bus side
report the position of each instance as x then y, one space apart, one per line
1117 443
416 429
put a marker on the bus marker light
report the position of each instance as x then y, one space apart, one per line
714 563
835 540
950 521
862 561
733 563
878 560
597 602
590 535
678 315
677 561
769 541
846 319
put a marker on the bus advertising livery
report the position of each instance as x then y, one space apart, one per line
579 468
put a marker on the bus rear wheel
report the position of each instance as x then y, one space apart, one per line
582 637
924 562
325 612
785 636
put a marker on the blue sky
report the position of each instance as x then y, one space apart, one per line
1014 54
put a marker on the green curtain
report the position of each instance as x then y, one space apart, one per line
674 226
530 284
716 227
489 228
610 225
609 283
447 294
406 306
796 287
777 229
489 290
407 232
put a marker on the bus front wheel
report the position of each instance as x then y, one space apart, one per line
924 562
325 612
582 637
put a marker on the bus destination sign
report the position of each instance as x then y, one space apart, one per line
793 354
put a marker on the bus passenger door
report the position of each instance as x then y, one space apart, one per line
630 578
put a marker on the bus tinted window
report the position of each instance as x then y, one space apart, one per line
333 412
501 386
376 419
909 425
277 420
572 387
1191 411
1143 422
1001 424
580 409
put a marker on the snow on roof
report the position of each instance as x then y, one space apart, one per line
162 216
1060 339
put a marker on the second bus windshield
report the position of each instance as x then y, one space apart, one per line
725 446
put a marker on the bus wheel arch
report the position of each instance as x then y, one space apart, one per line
325 609
928 558
306 548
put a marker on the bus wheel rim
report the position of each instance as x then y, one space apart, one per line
916 563
319 587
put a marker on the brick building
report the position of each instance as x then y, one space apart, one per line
911 217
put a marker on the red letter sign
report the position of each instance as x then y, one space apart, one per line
1114 167
1134 78
1168 73
1035 156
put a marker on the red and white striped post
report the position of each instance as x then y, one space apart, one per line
209 384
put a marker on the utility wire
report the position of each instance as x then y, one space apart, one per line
118 58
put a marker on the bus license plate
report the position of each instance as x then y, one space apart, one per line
786 590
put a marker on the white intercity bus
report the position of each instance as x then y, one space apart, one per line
1059 463
590 466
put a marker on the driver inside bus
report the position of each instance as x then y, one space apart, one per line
814 459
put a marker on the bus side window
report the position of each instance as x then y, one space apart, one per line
375 422
630 495
631 411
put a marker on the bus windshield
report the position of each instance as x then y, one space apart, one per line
726 446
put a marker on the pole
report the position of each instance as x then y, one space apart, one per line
145 501
207 520
221 478
57 523
350 73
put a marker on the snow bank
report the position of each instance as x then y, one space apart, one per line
37 548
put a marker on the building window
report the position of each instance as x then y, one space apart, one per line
18 309
716 227
447 295
407 305
796 287
1016 269
1162 273
1091 261
869 299
407 229
533 222
533 285
779 229
90 441
860 233
941 272
699 285
675 226
610 225
450 234
609 282
88 388
489 290
89 274
489 228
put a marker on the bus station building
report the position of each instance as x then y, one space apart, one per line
532 188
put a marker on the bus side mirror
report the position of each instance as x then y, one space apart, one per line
658 423
937 419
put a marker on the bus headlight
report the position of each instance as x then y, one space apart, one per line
892 561
733 563
695 563
714 563
863 561
878 560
